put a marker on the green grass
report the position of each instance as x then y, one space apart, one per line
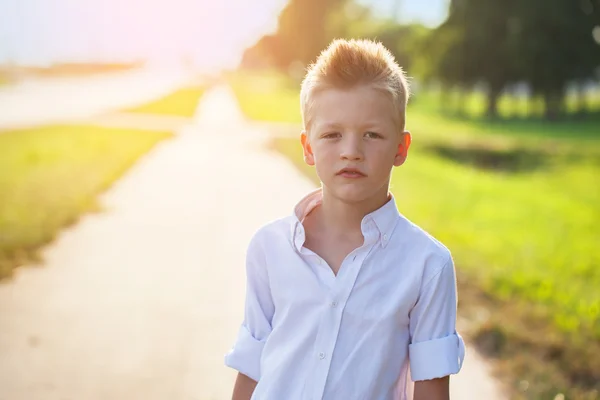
181 103
517 204
4 80
474 104
49 176
255 93
427 115
75 69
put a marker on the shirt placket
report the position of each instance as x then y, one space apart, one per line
331 318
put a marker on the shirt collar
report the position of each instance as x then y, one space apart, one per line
384 218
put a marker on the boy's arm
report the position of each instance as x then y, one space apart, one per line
436 350
244 387
434 389
245 355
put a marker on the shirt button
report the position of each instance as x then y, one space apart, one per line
384 237
321 355
334 304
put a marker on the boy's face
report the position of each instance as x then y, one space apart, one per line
354 140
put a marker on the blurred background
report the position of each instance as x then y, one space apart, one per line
107 97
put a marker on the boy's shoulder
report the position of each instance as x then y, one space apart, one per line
418 235
273 231
416 242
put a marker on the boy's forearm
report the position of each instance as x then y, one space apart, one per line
435 389
244 387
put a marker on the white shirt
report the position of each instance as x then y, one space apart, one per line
308 334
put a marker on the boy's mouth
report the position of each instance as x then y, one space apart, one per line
351 173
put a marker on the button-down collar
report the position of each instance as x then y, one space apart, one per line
384 219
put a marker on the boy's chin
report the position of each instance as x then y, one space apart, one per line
350 193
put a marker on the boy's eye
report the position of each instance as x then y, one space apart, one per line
331 135
373 135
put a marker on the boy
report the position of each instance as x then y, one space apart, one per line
345 295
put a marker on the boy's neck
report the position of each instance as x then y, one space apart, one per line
341 218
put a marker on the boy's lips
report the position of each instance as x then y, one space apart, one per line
351 173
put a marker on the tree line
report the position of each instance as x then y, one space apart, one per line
545 44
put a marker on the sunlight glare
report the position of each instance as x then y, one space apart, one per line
209 34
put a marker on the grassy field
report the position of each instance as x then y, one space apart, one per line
517 203
510 106
51 175
266 97
63 70
4 78
180 103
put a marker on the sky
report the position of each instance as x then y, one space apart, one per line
212 33
427 12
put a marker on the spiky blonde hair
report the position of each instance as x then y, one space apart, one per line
348 63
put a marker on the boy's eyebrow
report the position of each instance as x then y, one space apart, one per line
337 125
330 125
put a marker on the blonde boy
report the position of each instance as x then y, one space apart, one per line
346 294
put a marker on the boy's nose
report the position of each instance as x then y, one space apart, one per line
351 150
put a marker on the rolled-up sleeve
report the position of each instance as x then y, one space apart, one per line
436 349
246 353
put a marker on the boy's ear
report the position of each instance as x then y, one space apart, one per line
309 158
402 153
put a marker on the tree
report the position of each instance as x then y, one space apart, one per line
546 43
262 54
476 44
556 47
304 29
